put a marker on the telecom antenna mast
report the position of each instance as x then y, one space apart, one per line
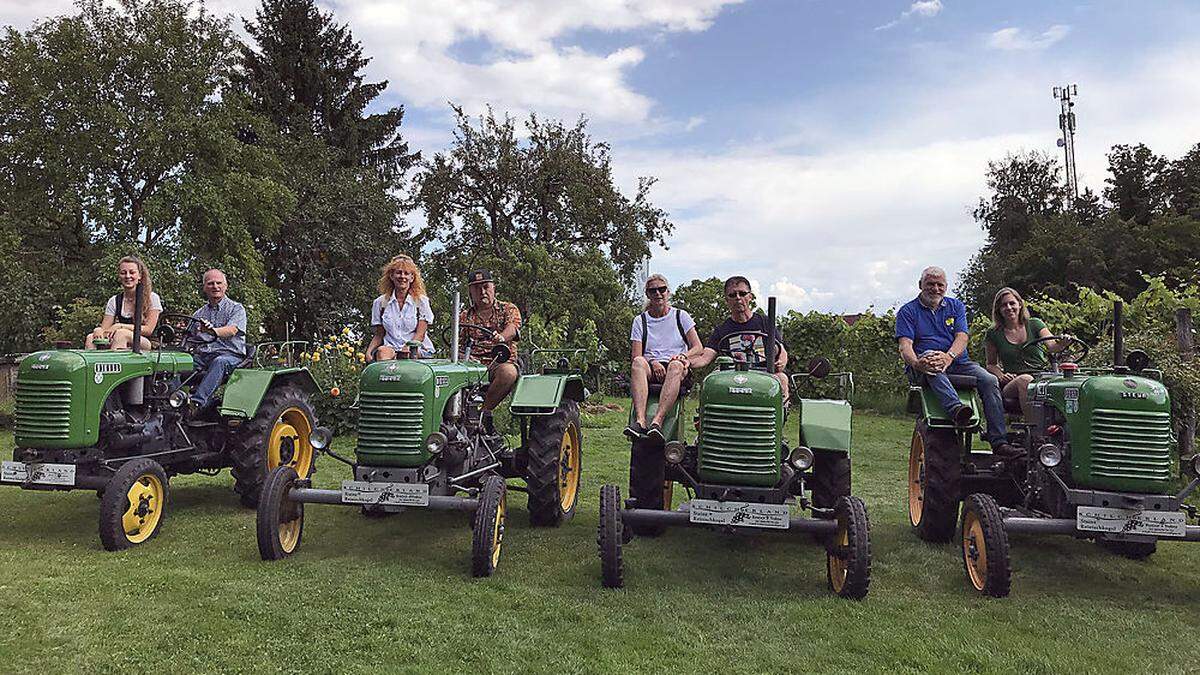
1065 95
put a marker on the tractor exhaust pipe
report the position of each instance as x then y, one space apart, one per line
137 318
1118 335
769 341
454 330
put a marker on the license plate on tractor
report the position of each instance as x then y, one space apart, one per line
394 494
1129 521
738 514
40 474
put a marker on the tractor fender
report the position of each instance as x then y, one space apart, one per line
246 387
923 401
825 424
540 394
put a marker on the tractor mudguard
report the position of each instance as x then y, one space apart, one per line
924 402
540 394
670 424
247 386
825 424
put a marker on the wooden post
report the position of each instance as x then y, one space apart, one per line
1187 349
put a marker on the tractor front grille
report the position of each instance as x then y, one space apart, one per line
1131 444
43 410
738 441
391 423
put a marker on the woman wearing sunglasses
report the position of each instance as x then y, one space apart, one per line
662 340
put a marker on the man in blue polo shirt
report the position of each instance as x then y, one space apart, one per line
931 331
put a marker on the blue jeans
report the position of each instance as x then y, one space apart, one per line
215 367
989 392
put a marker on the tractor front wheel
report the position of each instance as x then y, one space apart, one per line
610 536
278 435
489 527
848 556
985 546
133 504
934 473
831 478
280 521
555 461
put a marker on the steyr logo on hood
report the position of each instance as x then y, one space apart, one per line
103 369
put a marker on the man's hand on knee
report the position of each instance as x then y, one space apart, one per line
658 369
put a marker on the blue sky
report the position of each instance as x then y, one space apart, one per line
827 150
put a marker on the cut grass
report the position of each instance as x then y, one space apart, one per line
396 594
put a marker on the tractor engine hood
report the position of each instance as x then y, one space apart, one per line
741 425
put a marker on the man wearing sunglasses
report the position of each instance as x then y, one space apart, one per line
741 336
662 341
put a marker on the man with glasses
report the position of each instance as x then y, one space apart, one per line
663 339
741 336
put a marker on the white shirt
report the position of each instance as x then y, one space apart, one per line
399 321
110 309
663 339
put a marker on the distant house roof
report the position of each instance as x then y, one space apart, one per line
851 319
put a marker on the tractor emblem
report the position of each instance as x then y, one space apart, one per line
44 357
103 369
740 379
1131 383
391 368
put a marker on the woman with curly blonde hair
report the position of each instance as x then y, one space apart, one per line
401 314
118 322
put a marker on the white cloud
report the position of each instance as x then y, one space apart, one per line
693 123
1015 39
921 8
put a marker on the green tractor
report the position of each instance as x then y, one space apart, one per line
1098 465
421 444
117 422
742 476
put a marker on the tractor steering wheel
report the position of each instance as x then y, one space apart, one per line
175 327
501 352
1075 351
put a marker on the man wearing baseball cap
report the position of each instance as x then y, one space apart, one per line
504 320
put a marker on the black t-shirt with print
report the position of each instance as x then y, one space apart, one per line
744 341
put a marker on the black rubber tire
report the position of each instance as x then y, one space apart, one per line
248 445
995 579
488 535
544 471
1134 550
610 537
647 474
275 509
855 555
941 484
115 502
831 478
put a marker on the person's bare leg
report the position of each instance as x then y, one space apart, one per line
501 380
1020 386
384 354
121 339
639 388
783 382
670 390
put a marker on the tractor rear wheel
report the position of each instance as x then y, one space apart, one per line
831 478
280 521
610 537
848 555
489 527
1134 550
133 505
985 546
648 485
934 473
555 461
278 435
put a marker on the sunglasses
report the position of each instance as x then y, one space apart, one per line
656 290
737 294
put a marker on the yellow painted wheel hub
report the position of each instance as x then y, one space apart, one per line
916 479
289 443
975 550
568 468
289 533
144 511
837 565
498 532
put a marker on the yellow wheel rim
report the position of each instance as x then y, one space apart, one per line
974 550
289 443
916 479
498 532
144 511
289 534
837 564
568 468
668 494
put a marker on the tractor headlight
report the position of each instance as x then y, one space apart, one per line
673 452
1050 455
320 437
435 442
801 458
177 398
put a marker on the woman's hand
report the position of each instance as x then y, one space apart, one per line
1005 378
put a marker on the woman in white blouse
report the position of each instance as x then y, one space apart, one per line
401 313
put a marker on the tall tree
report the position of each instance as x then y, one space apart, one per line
1133 182
344 166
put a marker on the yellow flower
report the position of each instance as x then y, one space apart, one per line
346 330
316 357
304 355
362 357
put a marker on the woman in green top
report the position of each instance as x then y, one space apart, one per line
1010 356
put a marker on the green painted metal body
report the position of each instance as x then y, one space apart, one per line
924 401
1119 427
540 394
245 388
671 427
59 393
741 428
825 424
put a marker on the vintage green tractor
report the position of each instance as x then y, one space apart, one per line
116 422
741 475
421 443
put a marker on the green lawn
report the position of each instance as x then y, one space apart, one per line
396 594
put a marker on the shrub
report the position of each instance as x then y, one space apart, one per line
336 362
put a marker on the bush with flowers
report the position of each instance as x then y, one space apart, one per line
336 362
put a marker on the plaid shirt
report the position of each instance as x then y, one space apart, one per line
504 314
